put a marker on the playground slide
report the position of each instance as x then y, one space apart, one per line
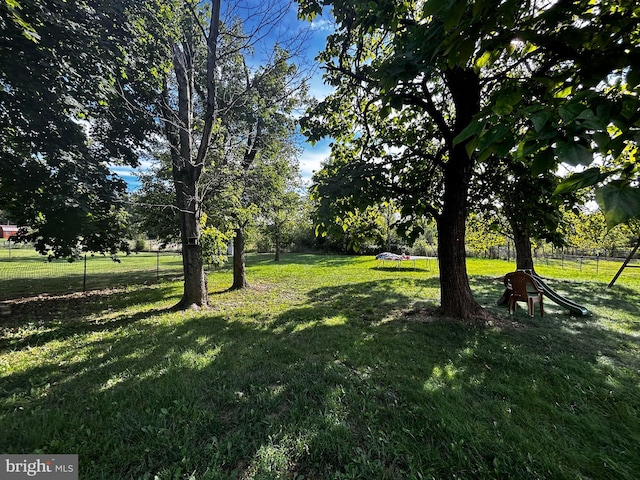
573 307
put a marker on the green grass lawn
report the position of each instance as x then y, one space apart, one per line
327 368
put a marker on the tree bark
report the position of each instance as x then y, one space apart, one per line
522 243
195 279
456 298
185 178
239 264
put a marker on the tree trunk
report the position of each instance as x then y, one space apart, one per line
185 179
195 278
277 258
456 299
522 243
186 169
239 266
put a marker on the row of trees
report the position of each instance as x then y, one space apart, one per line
440 107
448 106
583 233
374 230
94 84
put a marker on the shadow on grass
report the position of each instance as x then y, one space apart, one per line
342 386
594 296
71 283
403 269
309 259
63 316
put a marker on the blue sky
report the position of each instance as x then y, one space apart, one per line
315 32
312 155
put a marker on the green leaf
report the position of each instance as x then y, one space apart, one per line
543 162
471 146
633 77
506 100
396 102
590 120
619 201
580 180
564 93
483 60
602 140
571 111
617 146
486 153
474 128
478 6
454 15
574 154
465 50
433 7
385 111
495 135
540 119
502 108
630 106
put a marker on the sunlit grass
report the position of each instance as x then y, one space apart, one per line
326 367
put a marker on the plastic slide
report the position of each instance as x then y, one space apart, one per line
555 297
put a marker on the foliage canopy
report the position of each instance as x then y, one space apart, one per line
66 87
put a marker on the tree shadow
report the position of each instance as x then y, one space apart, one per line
403 269
593 295
345 383
309 259
57 317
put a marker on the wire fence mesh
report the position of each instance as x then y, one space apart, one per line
24 273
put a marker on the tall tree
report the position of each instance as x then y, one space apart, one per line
64 119
189 136
279 219
537 68
196 51
260 152
401 99
587 231
526 202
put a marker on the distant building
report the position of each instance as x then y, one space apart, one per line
8 231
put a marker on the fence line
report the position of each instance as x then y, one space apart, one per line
25 273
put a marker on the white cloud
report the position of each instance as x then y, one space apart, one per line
322 25
312 158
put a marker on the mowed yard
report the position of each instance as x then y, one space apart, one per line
327 368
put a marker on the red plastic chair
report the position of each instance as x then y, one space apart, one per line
522 287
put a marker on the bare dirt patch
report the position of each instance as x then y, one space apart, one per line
44 308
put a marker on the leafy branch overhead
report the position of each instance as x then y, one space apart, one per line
570 97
